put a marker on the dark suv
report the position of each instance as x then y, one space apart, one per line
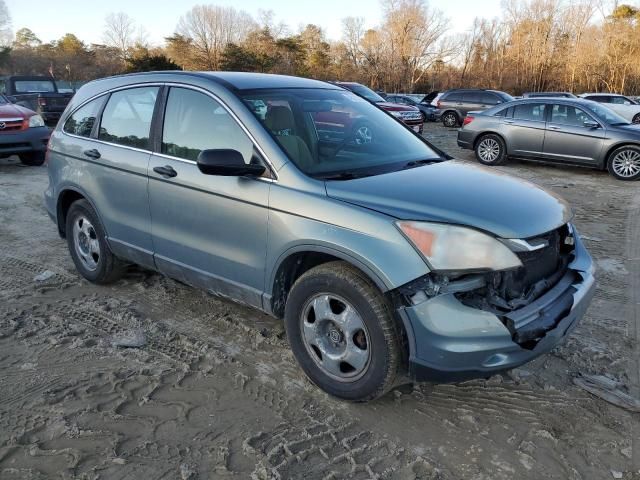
454 105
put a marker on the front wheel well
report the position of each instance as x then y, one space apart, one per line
607 157
296 264
65 200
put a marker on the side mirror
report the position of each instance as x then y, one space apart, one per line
12 99
227 163
591 124
626 102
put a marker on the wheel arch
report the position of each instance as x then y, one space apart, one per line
609 152
298 260
67 196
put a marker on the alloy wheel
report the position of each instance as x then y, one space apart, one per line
489 150
626 163
86 243
335 337
450 120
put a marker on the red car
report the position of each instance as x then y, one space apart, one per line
22 133
409 115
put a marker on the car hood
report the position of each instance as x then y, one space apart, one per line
12 111
395 107
461 194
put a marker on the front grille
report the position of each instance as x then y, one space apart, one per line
11 125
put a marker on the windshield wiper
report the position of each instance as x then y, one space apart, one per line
342 176
419 163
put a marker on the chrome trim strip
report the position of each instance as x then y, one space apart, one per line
518 245
12 120
180 85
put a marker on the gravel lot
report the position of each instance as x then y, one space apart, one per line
214 392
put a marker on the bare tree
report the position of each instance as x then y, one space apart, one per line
211 28
6 34
119 33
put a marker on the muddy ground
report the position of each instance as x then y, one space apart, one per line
216 393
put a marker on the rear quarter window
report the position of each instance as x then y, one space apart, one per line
81 121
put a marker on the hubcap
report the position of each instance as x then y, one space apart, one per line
488 150
363 135
86 243
335 337
626 163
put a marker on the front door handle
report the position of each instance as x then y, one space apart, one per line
509 122
93 153
551 127
167 171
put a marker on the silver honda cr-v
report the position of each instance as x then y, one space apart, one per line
388 261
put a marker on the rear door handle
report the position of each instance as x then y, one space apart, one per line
551 127
93 153
167 171
509 122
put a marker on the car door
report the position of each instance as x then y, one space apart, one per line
114 153
568 138
524 128
209 231
471 101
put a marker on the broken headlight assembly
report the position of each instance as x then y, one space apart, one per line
454 248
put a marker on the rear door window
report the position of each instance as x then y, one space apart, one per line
453 97
127 117
81 121
530 111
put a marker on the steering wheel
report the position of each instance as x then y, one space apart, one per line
361 134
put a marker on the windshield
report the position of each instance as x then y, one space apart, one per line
330 133
606 114
34 86
365 92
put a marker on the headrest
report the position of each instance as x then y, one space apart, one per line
279 120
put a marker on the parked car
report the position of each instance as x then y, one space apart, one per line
409 115
428 110
22 133
624 106
572 131
548 94
453 105
37 93
385 260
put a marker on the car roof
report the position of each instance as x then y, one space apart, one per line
557 100
234 80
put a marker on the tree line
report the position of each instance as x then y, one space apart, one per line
532 45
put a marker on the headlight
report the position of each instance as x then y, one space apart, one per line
36 121
449 247
396 114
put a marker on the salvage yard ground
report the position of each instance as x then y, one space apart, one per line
214 392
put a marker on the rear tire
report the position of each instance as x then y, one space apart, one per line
450 120
343 333
88 245
32 159
491 150
624 163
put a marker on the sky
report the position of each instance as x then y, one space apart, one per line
51 20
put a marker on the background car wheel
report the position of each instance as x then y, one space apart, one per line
491 150
450 120
88 246
636 118
362 134
33 159
624 163
343 333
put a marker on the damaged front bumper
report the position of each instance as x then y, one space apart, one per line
450 341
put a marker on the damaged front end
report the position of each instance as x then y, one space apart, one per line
496 317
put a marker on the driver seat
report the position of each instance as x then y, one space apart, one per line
279 120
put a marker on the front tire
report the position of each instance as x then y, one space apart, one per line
624 163
32 159
636 119
88 246
491 150
343 333
450 120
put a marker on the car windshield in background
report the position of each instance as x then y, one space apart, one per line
34 86
606 114
336 134
366 93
